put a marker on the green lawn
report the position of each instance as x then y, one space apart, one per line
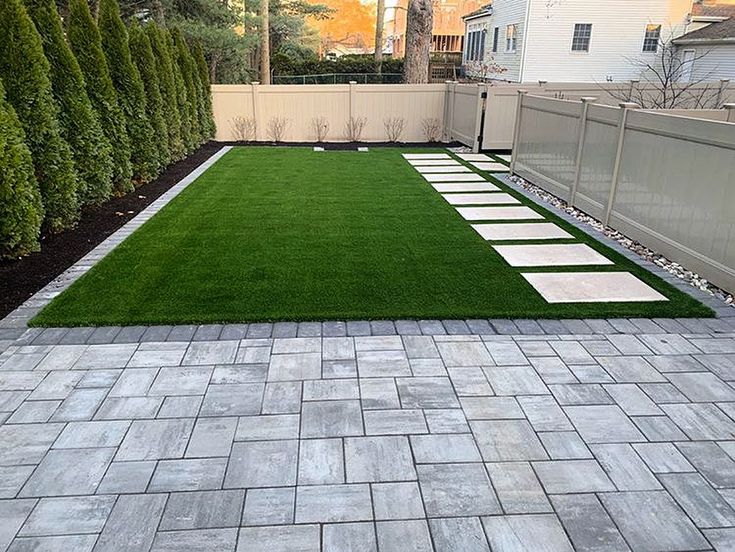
292 234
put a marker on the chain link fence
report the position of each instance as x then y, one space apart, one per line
339 78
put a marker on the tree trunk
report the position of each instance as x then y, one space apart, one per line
265 54
419 22
159 13
379 21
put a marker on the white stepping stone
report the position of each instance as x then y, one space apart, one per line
318 148
435 163
572 254
426 156
474 157
444 169
498 213
591 287
480 199
454 177
521 231
362 148
491 167
466 187
504 157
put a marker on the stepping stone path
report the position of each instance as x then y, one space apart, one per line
476 200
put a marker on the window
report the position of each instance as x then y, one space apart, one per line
511 38
496 34
581 39
475 45
652 37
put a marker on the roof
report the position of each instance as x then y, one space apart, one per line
722 31
487 9
713 9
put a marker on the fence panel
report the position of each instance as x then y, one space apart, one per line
674 188
465 106
548 150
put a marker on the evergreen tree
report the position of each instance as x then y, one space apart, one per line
21 212
130 92
140 48
80 124
84 38
164 69
209 128
185 63
182 99
25 73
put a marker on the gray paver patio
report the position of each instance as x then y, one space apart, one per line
602 440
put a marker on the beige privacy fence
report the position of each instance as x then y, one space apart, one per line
665 180
303 112
479 115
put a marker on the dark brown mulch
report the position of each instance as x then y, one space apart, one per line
20 279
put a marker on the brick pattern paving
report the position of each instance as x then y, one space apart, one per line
619 436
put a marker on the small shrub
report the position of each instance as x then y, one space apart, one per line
24 71
130 91
320 125
277 128
85 41
243 128
20 200
432 128
354 128
394 127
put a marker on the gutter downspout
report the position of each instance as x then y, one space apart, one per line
523 44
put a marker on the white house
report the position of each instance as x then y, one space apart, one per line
570 40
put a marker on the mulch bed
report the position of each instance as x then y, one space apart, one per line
20 279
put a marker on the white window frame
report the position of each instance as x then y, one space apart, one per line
576 39
511 38
648 39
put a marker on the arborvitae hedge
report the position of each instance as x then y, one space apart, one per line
20 201
185 63
25 73
140 48
207 123
86 45
130 92
182 98
80 124
167 85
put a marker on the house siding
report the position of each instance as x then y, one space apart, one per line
718 61
545 32
505 12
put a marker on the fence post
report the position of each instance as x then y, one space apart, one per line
256 109
730 112
447 106
625 108
517 131
452 91
586 101
479 109
353 92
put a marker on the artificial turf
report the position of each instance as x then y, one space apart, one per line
272 234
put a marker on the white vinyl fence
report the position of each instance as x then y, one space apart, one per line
665 180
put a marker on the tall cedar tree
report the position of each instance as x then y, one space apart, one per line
80 124
140 48
182 98
185 62
164 69
86 44
25 72
208 126
21 212
130 92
